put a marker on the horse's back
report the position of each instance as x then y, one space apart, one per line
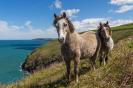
90 43
90 36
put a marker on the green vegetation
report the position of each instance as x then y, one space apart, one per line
123 31
123 27
117 73
130 44
42 56
48 54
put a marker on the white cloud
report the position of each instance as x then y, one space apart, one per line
124 8
123 5
121 2
120 22
71 12
27 31
28 24
93 23
88 24
57 4
4 26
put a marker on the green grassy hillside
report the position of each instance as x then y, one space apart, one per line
50 53
118 73
42 57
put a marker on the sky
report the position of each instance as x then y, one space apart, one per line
29 19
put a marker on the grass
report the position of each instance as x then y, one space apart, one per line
118 35
117 73
42 56
123 27
50 53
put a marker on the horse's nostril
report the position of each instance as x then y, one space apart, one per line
61 39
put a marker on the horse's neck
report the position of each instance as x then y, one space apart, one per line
109 38
109 42
72 39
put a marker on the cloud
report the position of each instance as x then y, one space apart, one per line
93 23
26 31
121 2
123 5
120 22
88 24
4 26
28 24
124 8
57 4
71 12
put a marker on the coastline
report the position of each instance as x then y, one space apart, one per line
13 54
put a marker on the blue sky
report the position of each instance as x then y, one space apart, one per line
27 19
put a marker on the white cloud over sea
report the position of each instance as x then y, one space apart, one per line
28 31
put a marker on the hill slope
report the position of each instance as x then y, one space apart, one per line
50 53
117 73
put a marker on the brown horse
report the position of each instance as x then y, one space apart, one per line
107 43
75 46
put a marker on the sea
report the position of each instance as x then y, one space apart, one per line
12 55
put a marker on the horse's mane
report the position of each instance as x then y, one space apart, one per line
71 26
101 36
98 32
110 31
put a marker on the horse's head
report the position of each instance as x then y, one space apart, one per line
104 30
63 26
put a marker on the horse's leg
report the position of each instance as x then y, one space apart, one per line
76 62
101 58
93 61
68 69
106 58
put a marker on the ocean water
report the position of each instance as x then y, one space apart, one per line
12 54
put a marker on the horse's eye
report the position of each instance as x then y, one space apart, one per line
65 25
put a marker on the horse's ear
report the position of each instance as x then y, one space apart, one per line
100 24
55 16
64 14
107 23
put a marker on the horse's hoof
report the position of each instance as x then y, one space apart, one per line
77 80
67 81
94 68
104 64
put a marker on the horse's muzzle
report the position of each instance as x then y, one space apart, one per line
61 40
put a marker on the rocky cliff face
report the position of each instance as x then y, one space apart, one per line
42 57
